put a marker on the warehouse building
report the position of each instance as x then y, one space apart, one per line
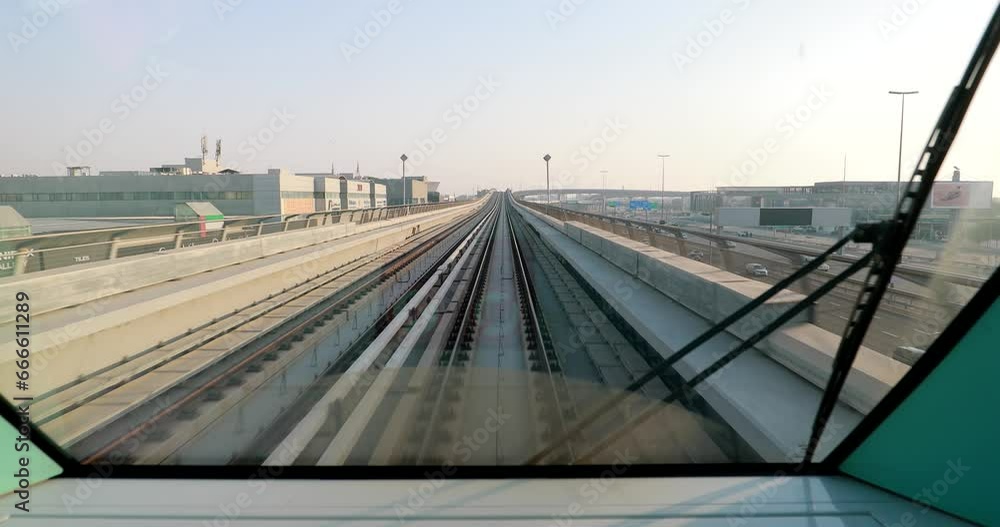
279 191
416 190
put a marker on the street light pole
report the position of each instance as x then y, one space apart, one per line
403 158
604 193
663 187
902 115
548 195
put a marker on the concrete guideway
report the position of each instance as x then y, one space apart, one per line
217 387
768 398
396 342
129 318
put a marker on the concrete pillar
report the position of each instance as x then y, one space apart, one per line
113 249
21 261
727 260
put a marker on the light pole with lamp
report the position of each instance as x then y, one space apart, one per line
604 193
663 188
403 158
902 115
548 195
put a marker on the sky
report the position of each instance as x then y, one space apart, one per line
737 92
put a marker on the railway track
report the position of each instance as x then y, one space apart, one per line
144 409
468 345
473 372
598 359
331 432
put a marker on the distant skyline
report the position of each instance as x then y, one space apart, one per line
738 92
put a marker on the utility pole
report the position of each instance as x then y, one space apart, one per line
902 115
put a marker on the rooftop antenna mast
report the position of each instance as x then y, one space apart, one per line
204 148
218 151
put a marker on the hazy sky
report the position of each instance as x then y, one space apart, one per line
781 88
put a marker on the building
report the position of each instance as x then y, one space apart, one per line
380 195
134 196
277 192
355 193
155 193
415 190
327 192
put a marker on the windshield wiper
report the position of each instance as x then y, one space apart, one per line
888 240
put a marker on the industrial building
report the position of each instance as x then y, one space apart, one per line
279 191
416 190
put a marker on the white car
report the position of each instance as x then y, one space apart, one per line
825 267
756 269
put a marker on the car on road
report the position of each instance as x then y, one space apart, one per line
697 255
908 354
745 234
682 235
756 269
728 244
825 267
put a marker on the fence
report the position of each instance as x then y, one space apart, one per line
32 254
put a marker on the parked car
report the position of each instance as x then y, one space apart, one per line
756 269
745 234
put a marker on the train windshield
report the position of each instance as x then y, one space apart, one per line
517 235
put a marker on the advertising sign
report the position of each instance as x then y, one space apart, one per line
962 195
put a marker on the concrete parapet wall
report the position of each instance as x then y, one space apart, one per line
97 334
70 286
713 294
708 291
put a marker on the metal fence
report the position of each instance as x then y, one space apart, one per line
622 226
32 254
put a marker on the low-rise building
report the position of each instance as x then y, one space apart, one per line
355 193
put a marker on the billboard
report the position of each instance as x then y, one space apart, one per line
826 217
783 217
962 195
